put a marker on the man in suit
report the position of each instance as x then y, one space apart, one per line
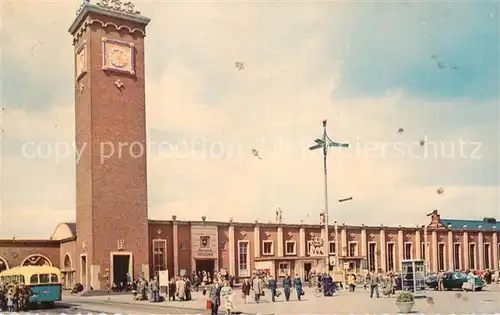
374 282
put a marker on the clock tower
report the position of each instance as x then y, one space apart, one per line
110 120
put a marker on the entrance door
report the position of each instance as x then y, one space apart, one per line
120 269
207 265
307 270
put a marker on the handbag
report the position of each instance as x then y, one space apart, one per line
302 293
209 305
278 293
263 293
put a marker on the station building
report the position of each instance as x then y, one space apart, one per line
113 234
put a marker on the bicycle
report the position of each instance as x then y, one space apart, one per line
318 291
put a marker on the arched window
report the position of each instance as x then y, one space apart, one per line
36 260
3 264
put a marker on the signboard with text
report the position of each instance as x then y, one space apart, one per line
204 240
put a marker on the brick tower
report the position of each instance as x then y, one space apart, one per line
110 119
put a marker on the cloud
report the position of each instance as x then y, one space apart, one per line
212 115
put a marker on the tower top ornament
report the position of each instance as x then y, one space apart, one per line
118 6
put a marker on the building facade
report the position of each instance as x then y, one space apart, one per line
112 235
241 248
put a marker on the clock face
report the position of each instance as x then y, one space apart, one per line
118 58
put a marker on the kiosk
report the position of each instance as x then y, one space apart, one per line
413 276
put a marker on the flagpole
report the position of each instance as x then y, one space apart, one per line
326 239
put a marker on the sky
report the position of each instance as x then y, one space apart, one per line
369 68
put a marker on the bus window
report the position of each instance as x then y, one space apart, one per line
54 278
34 279
7 279
21 279
15 279
2 279
44 278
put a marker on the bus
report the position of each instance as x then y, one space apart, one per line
44 282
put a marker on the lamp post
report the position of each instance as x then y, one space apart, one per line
324 143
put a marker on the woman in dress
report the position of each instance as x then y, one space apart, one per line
226 294
389 285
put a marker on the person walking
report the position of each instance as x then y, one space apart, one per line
258 288
297 283
287 285
245 290
374 282
226 293
389 285
273 286
352 281
214 298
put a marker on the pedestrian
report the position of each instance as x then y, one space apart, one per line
287 285
214 298
180 286
226 294
245 290
297 283
155 290
389 285
258 288
374 282
273 286
172 289
352 282
441 281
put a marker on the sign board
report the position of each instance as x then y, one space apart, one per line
338 276
332 260
204 240
163 278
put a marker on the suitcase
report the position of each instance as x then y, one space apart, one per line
466 286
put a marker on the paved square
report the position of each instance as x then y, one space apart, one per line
359 302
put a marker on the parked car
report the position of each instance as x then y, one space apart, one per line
453 281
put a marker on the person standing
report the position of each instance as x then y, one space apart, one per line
297 283
155 289
441 281
374 282
273 286
257 286
180 286
287 285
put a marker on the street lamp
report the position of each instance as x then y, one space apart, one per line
324 143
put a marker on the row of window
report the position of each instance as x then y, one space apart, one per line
43 278
159 252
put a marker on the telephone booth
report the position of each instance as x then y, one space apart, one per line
413 276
